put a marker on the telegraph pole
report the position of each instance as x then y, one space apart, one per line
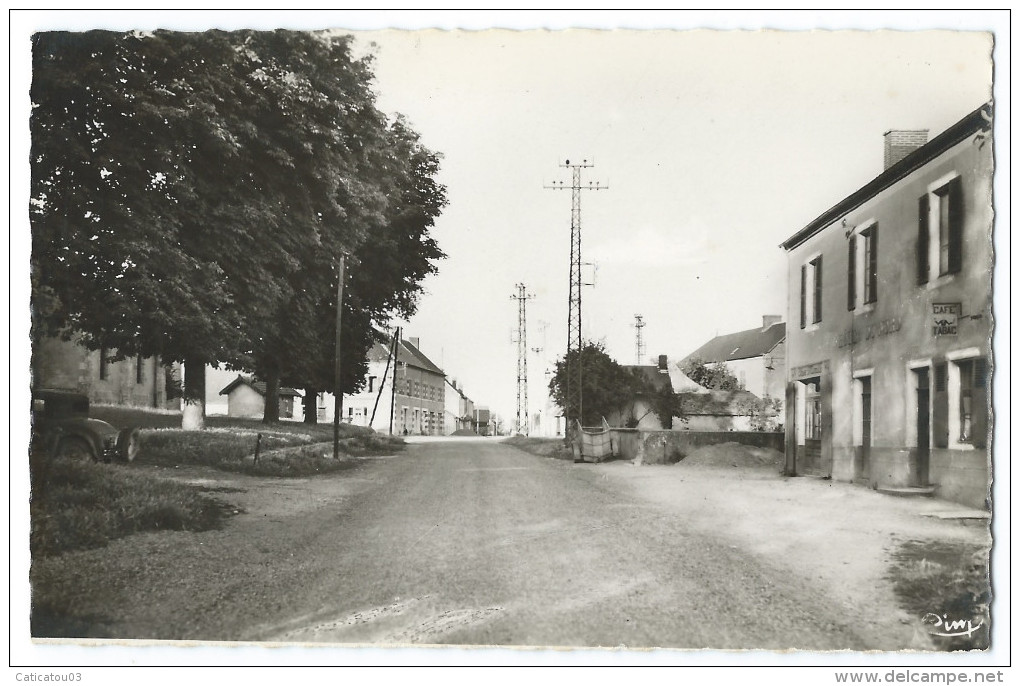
337 393
574 371
393 389
522 299
639 324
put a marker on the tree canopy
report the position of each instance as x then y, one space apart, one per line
192 194
715 376
607 386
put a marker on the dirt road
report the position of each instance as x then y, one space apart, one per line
473 542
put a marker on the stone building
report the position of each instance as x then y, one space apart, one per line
133 381
888 344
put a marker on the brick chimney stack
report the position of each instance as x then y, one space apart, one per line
768 320
414 342
663 365
899 144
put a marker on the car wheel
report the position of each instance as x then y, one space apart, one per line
128 445
75 448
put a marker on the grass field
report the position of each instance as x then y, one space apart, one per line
85 505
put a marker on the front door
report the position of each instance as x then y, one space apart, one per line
923 428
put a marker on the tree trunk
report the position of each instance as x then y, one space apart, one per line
193 415
311 406
272 413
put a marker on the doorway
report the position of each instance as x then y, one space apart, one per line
923 455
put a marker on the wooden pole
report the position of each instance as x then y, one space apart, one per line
337 394
393 391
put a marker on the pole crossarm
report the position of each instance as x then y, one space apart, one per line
522 299
575 372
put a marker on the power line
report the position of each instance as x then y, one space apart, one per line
522 299
639 325
574 371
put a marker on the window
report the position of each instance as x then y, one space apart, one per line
940 226
139 370
104 365
870 263
812 411
811 291
371 384
972 401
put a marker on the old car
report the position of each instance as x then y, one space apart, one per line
62 427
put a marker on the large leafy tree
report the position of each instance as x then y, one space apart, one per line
715 376
192 194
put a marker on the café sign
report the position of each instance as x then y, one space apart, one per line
946 318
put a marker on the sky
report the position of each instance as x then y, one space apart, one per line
715 145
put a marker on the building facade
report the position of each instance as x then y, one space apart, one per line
888 344
756 357
134 381
416 405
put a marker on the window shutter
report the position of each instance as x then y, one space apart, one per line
803 295
851 273
818 289
955 225
873 264
922 239
940 409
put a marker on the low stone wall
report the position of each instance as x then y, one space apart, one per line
668 447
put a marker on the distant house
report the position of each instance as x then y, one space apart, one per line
246 397
418 403
639 412
133 381
458 412
757 357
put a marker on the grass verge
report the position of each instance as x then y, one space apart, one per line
543 447
946 584
228 443
85 505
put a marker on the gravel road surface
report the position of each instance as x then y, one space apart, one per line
455 542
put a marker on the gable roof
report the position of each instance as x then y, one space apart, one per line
407 354
259 386
741 345
651 373
960 131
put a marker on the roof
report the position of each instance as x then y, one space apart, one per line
651 373
407 354
259 386
961 130
716 403
741 345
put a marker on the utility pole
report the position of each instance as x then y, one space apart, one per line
393 390
522 299
337 394
574 371
639 324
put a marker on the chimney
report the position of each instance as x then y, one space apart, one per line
770 319
414 341
663 367
899 144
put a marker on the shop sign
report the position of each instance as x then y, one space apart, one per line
946 318
856 335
